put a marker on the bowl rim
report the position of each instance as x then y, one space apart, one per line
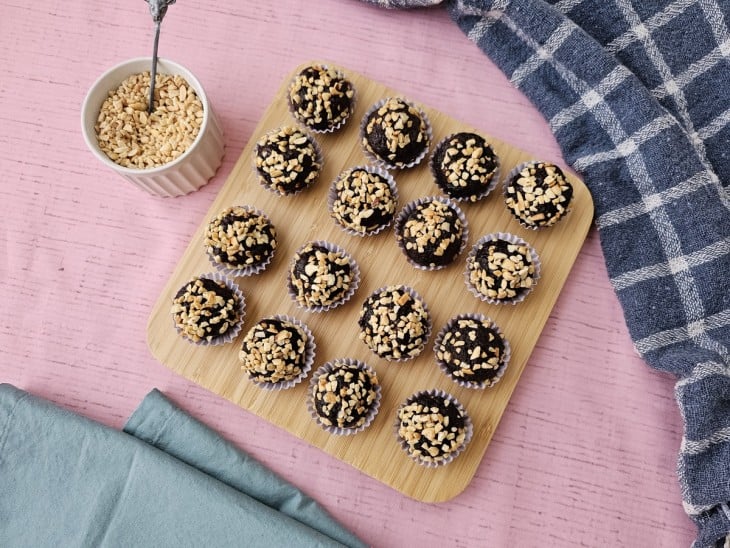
169 67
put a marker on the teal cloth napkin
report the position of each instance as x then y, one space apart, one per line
167 480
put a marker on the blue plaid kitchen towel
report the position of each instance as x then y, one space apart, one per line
637 93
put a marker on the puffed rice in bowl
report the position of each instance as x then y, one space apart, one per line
171 152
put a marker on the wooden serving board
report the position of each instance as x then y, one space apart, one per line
305 217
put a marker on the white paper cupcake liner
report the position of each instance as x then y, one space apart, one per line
514 240
330 129
332 196
328 368
481 318
428 328
468 426
409 208
232 331
309 348
505 185
493 182
354 272
383 162
318 155
251 270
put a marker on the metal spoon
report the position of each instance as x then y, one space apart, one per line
158 9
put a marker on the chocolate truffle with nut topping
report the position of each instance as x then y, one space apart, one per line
433 427
472 351
431 232
241 240
538 194
501 269
205 309
394 323
396 133
344 395
465 166
321 98
363 200
287 160
274 351
321 276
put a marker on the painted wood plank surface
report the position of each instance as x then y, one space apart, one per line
585 452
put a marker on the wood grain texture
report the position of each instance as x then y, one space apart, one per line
304 217
585 453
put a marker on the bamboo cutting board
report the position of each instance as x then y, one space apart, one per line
305 217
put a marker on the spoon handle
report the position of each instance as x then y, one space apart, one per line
158 9
153 72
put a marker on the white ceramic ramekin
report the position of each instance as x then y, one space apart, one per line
187 173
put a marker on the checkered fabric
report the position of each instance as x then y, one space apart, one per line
637 93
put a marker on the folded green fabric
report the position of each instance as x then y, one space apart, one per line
159 422
68 481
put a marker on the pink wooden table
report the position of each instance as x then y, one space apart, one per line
585 453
